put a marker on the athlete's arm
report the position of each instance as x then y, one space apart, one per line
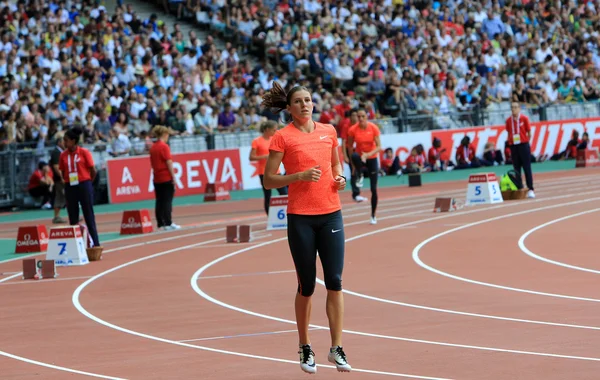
345 150
350 145
336 165
272 180
254 157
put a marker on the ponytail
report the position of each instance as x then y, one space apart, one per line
276 99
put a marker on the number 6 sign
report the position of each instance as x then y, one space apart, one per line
278 213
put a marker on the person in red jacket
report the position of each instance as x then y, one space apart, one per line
434 156
77 167
40 184
519 134
465 155
164 179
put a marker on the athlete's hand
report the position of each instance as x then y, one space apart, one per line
364 157
311 175
340 183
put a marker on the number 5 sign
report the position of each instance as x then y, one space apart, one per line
483 189
278 213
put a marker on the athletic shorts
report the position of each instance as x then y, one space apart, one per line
309 234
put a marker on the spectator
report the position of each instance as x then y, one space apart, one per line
41 185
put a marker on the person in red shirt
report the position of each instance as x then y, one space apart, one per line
368 145
164 179
309 152
465 155
519 134
260 153
41 183
76 165
434 156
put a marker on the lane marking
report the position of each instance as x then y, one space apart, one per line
43 281
52 366
244 335
245 274
528 252
11 277
417 249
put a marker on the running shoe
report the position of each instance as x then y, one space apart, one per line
307 359
338 357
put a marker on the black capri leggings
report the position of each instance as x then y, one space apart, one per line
309 234
372 166
267 193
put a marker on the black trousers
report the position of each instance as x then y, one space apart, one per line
521 157
42 191
82 194
372 167
267 193
163 208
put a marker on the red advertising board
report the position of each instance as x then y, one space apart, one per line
548 137
130 179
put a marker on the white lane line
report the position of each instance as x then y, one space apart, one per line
244 335
528 252
417 249
52 366
82 310
246 274
43 281
11 277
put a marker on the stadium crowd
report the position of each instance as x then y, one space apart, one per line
67 63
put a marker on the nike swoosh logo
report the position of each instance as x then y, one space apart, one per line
323 137
334 231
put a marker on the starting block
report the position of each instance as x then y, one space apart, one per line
216 192
32 239
238 234
136 222
445 205
34 269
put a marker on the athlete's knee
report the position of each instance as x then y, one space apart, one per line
334 282
306 288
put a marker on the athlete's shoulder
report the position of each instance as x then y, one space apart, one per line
329 128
